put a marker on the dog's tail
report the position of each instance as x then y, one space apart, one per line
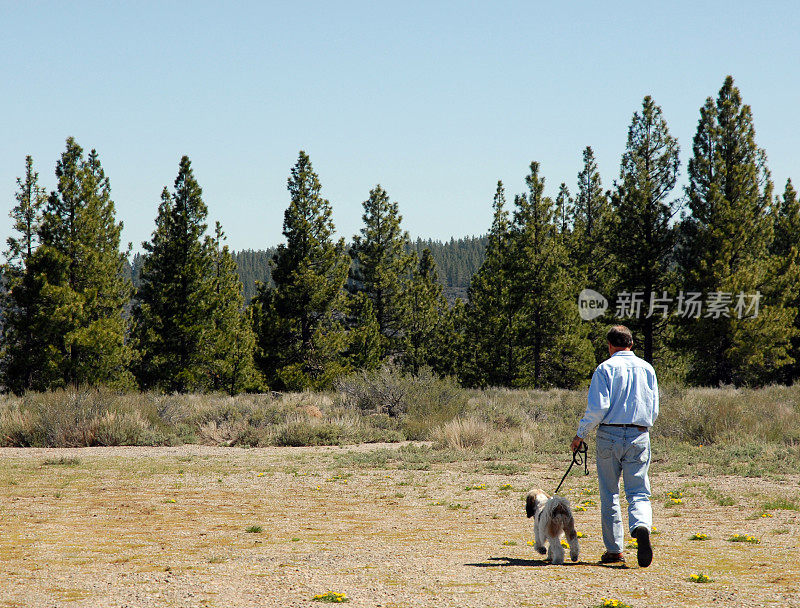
561 509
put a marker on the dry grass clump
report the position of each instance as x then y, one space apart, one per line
731 415
382 391
72 418
423 402
462 434
69 418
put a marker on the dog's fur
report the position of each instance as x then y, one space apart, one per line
552 516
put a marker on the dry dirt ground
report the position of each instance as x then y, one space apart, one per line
155 527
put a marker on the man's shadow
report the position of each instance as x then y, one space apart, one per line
499 562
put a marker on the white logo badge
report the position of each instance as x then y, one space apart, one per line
591 304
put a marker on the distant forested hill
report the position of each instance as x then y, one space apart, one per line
456 261
253 266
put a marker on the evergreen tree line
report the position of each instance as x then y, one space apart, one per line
457 260
707 279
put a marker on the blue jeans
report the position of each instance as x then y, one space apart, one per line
625 451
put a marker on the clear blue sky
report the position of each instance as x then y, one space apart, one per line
436 101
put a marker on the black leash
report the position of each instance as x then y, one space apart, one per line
579 457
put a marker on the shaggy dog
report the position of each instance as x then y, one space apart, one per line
552 516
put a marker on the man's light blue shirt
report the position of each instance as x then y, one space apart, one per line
624 390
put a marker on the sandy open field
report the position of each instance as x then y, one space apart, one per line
155 527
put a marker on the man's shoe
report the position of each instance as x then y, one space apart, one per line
612 558
644 551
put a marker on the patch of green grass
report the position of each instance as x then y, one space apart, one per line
303 433
62 462
455 506
753 459
217 559
723 500
612 603
254 529
504 468
744 538
413 454
330 597
342 477
781 502
416 466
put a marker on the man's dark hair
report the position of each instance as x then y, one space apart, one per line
620 336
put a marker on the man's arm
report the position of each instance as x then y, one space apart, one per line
657 398
598 404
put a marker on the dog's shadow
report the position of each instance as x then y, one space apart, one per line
500 562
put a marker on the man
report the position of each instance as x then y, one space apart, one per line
623 405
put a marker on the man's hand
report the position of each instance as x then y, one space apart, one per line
576 444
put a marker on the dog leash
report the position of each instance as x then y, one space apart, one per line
579 457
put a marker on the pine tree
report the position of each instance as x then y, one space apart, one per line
641 233
22 349
554 349
493 354
381 265
786 247
590 253
565 209
232 368
452 345
301 342
27 216
591 212
787 223
83 294
425 314
175 330
365 341
725 251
